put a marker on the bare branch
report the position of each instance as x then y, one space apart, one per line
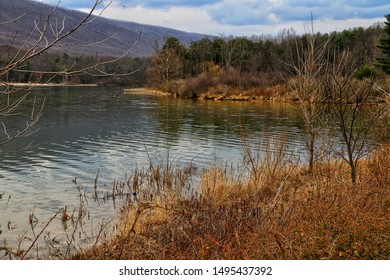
12 20
46 33
86 70
26 131
36 49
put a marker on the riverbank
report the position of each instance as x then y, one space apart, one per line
46 85
276 94
275 211
148 91
221 84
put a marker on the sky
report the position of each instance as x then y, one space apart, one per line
242 17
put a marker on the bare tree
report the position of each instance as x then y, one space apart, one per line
47 33
164 67
311 63
353 110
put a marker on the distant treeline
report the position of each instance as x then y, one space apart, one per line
63 68
245 55
270 53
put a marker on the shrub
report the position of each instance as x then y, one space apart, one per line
365 71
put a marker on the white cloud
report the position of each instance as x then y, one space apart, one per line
273 17
182 18
245 17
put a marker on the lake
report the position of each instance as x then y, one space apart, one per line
85 130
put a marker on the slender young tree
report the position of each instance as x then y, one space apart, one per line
308 68
350 112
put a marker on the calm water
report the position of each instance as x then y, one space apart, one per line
84 130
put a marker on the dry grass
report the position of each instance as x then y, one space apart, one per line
285 214
230 84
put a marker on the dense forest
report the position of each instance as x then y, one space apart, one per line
237 62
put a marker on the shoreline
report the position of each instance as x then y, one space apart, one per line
46 85
146 91
210 96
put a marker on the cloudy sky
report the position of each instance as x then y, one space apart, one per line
243 17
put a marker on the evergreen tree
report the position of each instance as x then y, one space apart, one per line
174 44
384 46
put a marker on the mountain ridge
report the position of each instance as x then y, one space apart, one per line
18 18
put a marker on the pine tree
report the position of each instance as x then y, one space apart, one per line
384 46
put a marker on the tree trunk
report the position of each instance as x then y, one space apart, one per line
353 173
311 152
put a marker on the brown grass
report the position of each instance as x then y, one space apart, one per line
230 84
285 214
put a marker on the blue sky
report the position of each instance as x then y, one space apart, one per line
243 17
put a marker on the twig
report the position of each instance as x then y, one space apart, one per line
40 233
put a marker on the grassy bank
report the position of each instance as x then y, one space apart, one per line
266 208
229 84
217 83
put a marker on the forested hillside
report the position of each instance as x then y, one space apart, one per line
18 18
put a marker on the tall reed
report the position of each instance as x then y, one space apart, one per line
274 211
